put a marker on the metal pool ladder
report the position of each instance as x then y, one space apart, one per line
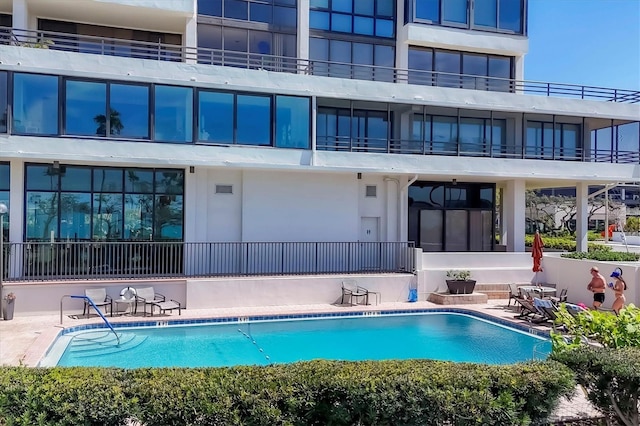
94 307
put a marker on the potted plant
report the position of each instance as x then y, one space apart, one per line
8 305
459 282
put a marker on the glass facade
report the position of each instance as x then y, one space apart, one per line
352 130
356 59
277 12
107 204
548 141
35 104
487 15
173 114
360 17
444 68
4 101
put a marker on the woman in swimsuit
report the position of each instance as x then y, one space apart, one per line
618 288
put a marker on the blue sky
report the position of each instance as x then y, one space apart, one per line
587 42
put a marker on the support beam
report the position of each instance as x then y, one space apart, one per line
514 215
582 216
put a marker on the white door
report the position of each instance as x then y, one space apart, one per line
369 251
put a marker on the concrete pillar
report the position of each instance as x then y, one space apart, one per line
582 216
20 15
190 39
16 215
303 29
393 209
513 205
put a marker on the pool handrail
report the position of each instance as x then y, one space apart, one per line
88 299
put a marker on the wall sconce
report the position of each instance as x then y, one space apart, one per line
192 169
56 165
359 175
454 181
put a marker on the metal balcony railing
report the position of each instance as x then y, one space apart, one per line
167 52
92 260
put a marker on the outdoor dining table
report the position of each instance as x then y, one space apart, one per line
545 291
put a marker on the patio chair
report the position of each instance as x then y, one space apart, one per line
147 296
100 298
561 298
351 289
546 308
514 293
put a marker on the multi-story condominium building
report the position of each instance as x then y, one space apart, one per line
186 129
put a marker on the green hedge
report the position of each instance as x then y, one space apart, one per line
604 256
564 243
416 392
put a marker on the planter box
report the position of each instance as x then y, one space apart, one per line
7 309
461 287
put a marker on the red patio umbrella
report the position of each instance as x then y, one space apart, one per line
536 253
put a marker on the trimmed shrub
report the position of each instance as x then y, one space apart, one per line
604 256
564 243
415 392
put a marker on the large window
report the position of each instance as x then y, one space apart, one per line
546 141
86 109
352 59
247 119
488 15
35 104
278 12
352 130
173 114
362 17
3 102
96 203
480 71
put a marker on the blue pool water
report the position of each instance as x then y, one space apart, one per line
441 336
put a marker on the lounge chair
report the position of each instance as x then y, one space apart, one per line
574 309
546 308
351 289
561 298
528 311
100 298
514 293
147 296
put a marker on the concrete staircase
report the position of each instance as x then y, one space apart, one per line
493 291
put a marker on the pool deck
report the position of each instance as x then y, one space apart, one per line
26 339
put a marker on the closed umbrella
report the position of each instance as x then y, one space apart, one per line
536 253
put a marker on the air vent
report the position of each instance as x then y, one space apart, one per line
371 191
224 189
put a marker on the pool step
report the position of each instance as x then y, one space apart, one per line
493 291
103 343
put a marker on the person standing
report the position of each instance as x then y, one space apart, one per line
618 288
597 285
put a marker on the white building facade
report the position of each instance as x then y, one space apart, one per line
289 121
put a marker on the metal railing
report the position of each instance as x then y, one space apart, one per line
168 52
73 260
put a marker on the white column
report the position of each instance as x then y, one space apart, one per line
303 29
20 15
519 68
190 39
513 203
393 208
582 216
16 214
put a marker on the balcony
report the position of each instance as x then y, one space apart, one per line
176 53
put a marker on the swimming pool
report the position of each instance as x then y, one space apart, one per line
370 336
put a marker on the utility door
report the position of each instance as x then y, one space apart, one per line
369 250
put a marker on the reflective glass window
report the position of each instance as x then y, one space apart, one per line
454 11
386 8
3 102
42 215
260 12
285 16
363 25
534 139
173 114
448 64
511 15
236 9
570 140
343 5
35 104
4 177
138 180
42 177
253 115
292 122
75 179
215 122
428 10
364 7
445 133
320 4
107 180
474 65
168 217
472 134
341 23
129 111
235 39
138 216
75 215
319 20
485 13
499 135
210 7
107 216
210 37
384 28
169 182
85 107
420 60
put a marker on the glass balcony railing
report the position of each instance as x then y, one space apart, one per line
175 53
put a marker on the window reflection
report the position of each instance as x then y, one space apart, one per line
215 123
129 111
292 122
85 108
253 114
35 104
107 216
173 114
3 102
